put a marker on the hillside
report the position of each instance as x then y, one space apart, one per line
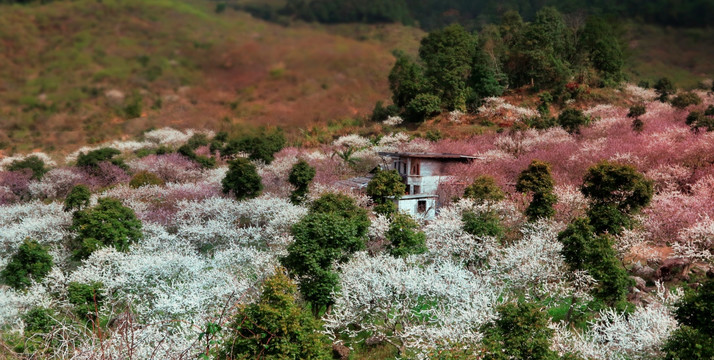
73 70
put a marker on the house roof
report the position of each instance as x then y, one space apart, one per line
443 156
355 183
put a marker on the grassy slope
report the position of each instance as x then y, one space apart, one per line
216 71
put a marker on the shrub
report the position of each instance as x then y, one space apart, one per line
144 178
486 223
404 237
683 100
30 263
86 299
381 113
133 107
664 88
94 157
385 187
205 162
422 107
261 146
695 338
300 177
38 320
107 224
484 189
242 178
572 119
636 111
697 120
537 180
275 327
344 206
32 163
78 198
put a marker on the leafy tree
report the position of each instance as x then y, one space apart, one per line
635 112
406 80
422 107
685 99
664 88
145 178
483 189
520 332
261 146
30 263
486 223
601 44
386 186
343 206
572 119
695 338
404 236
242 178
94 157
78 198
615 191
187 150
448 56
696 120
537 180
86 299
275 327
300 177
33 163
39 320
109 223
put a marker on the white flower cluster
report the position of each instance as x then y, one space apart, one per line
353 141
696 242
393 121
46 223
496 106
640 93
55 184
170 136
409 303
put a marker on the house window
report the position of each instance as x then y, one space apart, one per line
417 189
421 206
416 169
404 168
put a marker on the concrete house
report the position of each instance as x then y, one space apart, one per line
422 173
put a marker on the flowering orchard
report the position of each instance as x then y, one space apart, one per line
202 257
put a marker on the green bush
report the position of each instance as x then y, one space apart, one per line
664 88
275 327
242 178
404 237
300 177
385 187
381 113
422 107
78 198
94 157
636 111
39 320
30 263
32 163
87 299
482 224
483 189
343 206
261 146
695 338
145 178
572 119
537 180
188 151
685 99
109 223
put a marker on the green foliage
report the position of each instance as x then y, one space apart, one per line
404 237
187 150
261 146
520 332
422 107
349 11
636 111
583 250
242 178
664 88
30 263
484 189
32 163
572 119
696 120
133 107
94 157
687 343
685 99
483 224
607 218
381 113
300 177
385 187
109 223
334 228
537 179
620 185
601 45
86 299
406 80
145 178
275 327
78 198
39 320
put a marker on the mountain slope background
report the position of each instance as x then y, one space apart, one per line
81 72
